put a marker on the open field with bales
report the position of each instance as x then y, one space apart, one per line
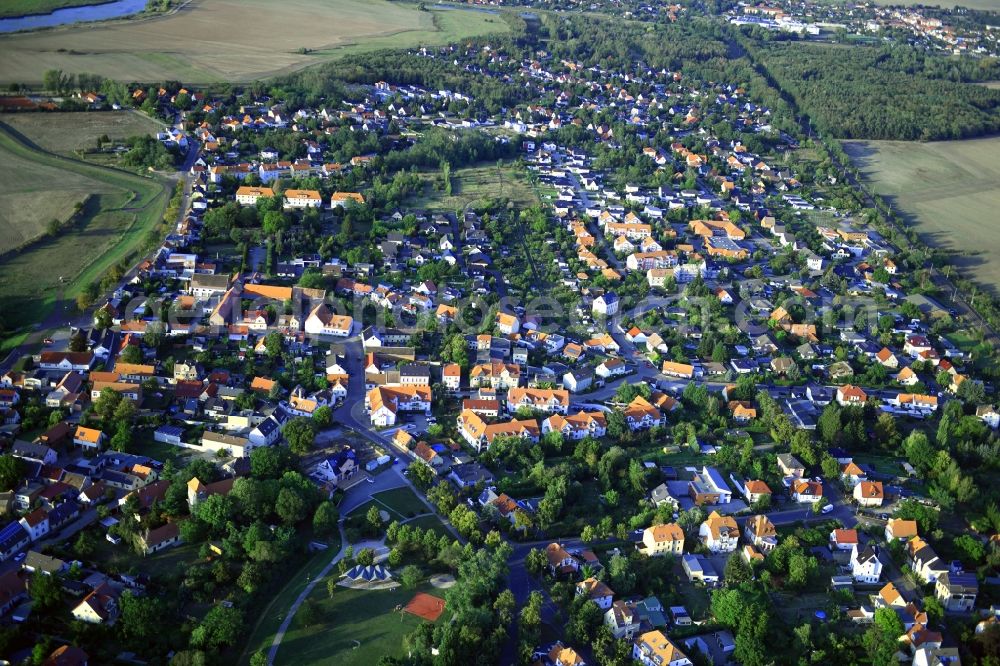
118 213
207 41
66 133
948 190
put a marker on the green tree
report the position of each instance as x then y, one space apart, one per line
374 518
290 506
300 435
325 519
410 576
322 417
11 472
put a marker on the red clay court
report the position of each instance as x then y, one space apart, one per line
426 606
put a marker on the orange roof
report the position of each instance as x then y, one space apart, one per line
268 291
902 529
845 536
262 384
90 435
347 196
669 532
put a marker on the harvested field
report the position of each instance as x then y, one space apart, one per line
233 40
948 190
65 133
120 209
36 193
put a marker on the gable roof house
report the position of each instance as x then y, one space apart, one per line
869 493
719 533
660 540
597 591
98 607
865 565
653 648
760 531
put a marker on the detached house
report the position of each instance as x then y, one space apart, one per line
957 592
719 533
597 591
897 529
851 395
89 438
869 493
807 492
663 540
640 414
560 561
322 321
654 649
98 607
760 531
865 565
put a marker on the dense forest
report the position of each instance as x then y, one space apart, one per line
883 93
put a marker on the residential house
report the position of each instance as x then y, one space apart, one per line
760 531
869 493
160 538
841 539
865 565
640 414
577 426
560 561
665 539
89 438
719 533
851 395
897 529
622 620
807 492
957 591
653 648
597 591
790 466
98 607
550 401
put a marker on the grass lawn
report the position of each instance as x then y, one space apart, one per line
272 615
123 208
123 558
23 7
947 190
477 184
696 599
145 445
401 501
431 523
356 627
882 464
262 39
799 607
